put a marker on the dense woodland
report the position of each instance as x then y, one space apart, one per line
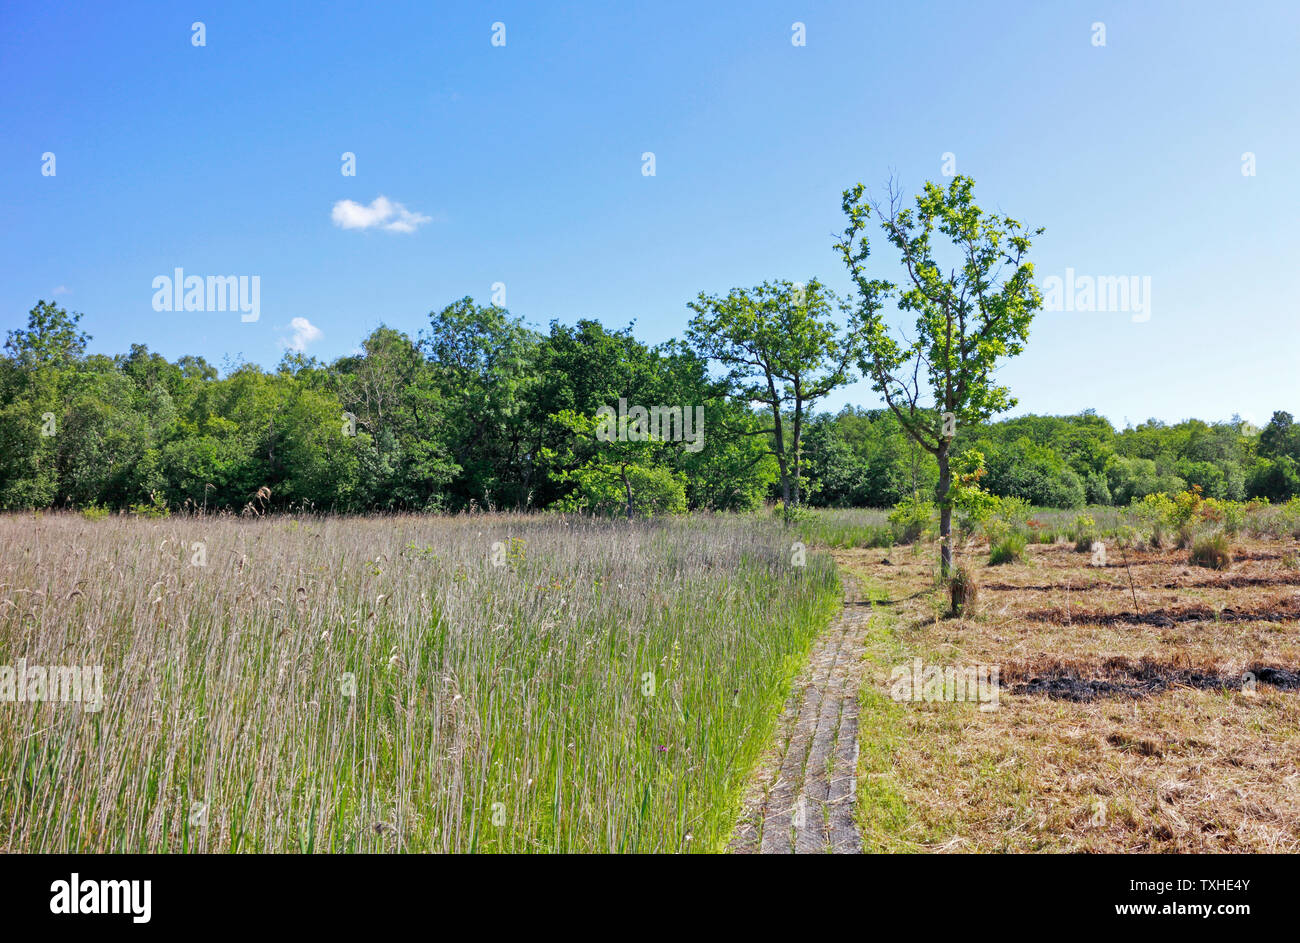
479 411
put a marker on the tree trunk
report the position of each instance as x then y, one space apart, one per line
945 513
795 441
778 448
627 488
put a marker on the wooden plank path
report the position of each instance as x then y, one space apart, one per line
801 798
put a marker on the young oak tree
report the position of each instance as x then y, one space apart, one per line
966 320
781 349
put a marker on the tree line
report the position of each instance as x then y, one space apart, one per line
480 411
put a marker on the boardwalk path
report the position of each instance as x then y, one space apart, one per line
800 800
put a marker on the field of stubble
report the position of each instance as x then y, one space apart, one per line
1147 704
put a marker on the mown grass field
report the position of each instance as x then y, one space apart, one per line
1127 720
415 684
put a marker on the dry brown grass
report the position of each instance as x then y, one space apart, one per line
1186 770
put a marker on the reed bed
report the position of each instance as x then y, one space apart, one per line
397 684
844 528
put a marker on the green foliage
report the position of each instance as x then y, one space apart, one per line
1035 473
911 518
1014 512
615 475
51 339
1276 479
1009 547
792 514
465 417
1134 478
780 347
972 503
863 458
155 507
1084 533
1281 437
966 322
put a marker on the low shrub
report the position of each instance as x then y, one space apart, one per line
1084 533
792 514
911 518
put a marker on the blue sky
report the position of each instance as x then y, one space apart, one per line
526 160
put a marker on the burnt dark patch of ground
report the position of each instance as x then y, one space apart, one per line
1048 587
1122 678
1277 677
1235 581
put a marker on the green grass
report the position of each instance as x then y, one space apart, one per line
844 529
1008 548
880 812
378 685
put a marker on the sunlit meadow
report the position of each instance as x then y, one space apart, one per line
403 683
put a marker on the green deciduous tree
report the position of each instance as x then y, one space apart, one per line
781 347
967 320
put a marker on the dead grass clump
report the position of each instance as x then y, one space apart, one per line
963 592
1213 552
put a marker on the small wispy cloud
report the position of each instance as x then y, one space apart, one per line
63 290
304 333
382 213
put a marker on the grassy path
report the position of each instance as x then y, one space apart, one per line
800 800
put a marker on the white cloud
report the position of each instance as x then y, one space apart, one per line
304 333
63 290
382 213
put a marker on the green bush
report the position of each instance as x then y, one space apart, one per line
792 514
1084 533
655 490
911 518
